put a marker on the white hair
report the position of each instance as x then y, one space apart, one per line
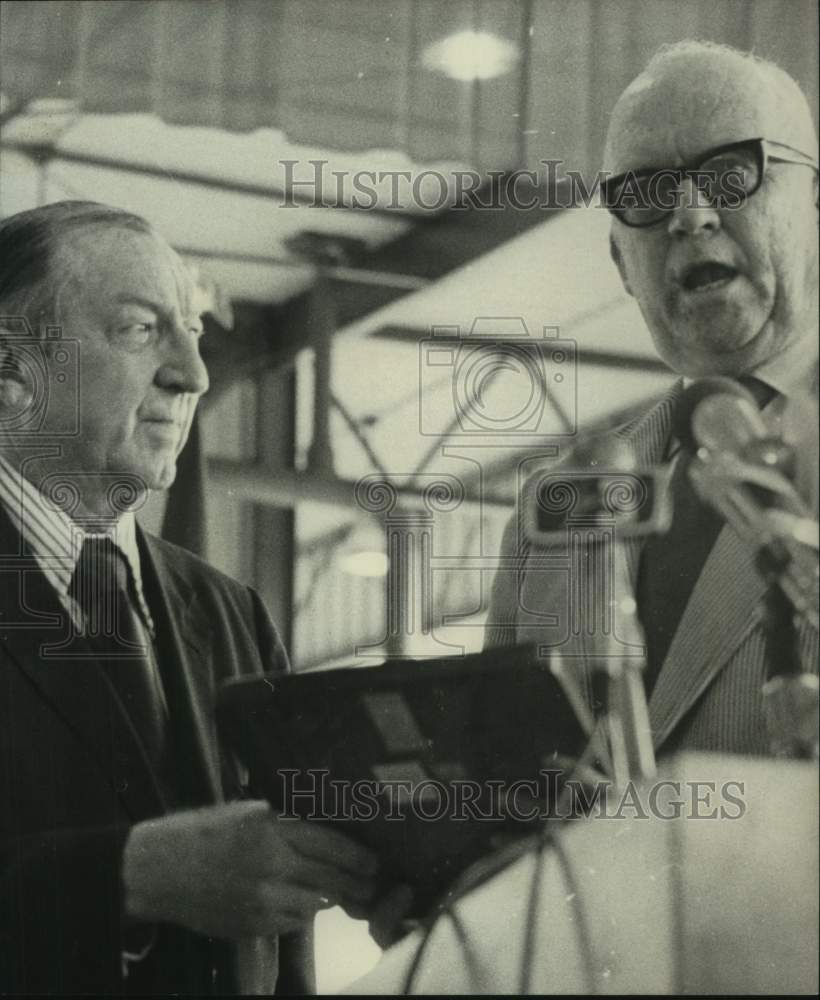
775 75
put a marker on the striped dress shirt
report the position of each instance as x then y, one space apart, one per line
55 541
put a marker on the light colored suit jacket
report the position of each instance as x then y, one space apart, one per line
708 692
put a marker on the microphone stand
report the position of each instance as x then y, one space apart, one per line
613 639
761 506
591 511
791 697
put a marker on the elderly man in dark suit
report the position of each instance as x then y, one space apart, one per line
711 160
123 866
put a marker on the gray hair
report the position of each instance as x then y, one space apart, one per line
28 247
775 75
697 47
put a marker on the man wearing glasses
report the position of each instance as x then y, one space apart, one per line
723 290
711 160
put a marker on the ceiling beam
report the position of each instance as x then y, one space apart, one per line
448 241
46 153
435 245
287 488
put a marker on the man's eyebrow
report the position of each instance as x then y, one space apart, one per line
132 298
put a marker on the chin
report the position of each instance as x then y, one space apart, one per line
156 472
716 350
162 478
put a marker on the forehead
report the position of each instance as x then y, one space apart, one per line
692 104
100 266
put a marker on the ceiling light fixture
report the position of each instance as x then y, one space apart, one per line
366 563
471 55
362 553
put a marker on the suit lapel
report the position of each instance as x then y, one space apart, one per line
648 440
185 644
185 655
722 609
717 618
718 615
37 635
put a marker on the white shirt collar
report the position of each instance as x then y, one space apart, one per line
792 372
55 539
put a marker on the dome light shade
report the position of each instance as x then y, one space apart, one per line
363 553
365 563
471 55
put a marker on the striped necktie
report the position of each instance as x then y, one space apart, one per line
100 587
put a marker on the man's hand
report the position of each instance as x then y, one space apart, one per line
387 919
386 915
239 870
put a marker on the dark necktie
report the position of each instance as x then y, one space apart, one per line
100 587
671 563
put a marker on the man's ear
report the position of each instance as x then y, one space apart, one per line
615 254
16 392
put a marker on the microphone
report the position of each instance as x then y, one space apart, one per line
742 468
727 423
698 393
600 488
587 509
746 473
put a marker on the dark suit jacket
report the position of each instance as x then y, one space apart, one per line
708 693
74 777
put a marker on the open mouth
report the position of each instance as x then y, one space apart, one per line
706 277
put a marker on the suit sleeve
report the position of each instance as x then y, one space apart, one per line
60 911
271 648
61 895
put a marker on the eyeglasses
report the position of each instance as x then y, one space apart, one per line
726 176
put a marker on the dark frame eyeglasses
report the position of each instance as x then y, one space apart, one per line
727 175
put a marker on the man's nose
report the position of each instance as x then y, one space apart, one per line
182 368
695 213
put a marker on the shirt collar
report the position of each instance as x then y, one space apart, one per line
55 539
792 372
